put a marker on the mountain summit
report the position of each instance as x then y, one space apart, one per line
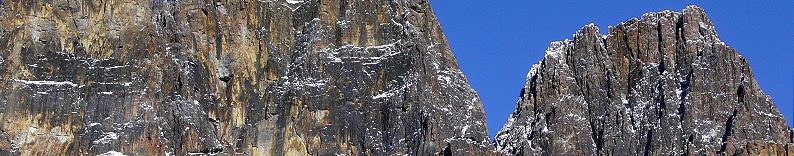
661 85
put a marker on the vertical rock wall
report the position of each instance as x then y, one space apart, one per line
267 77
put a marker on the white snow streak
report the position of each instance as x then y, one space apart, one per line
294 1
57 83
112 153
107 138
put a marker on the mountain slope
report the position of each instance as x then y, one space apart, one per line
660 85
267 77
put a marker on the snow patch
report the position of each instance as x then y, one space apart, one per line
112 153
556 48
381 52
56 83
294 1
444 79
93 124
308 82
390 93
107 137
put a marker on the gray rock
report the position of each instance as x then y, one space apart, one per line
661 85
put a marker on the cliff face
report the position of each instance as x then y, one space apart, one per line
660 85
325 77
272 77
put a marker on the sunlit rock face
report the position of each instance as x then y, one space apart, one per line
663 84
267 77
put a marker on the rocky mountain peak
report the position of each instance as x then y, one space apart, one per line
663 84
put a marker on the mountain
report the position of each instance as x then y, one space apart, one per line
345 77
266 77
661 85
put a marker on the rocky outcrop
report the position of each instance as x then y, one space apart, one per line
661 85
267 77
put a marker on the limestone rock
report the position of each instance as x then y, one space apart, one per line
663 84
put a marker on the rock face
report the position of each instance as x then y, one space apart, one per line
661 85
267 77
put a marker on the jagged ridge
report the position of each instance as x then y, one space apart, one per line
660 85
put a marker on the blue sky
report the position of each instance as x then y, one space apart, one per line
496 42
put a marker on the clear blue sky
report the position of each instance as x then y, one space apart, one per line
496 42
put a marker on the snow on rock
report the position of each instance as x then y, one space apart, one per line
56 83
112 153
107 137
294 1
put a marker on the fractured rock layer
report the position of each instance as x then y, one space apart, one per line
661 85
